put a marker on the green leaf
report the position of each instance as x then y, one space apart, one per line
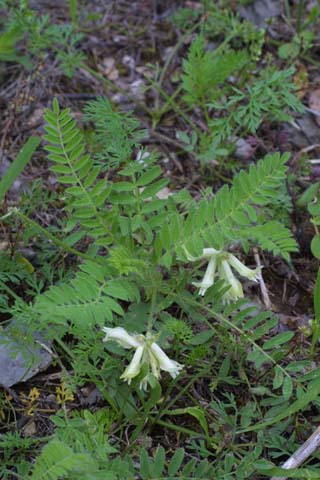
287 387
55 106
145 465
302 402
316 298
267 468
199 414
151 190
315 246
278 378
159 462
309 195
202 337
279 339
18 165
56 460
149 176
176 462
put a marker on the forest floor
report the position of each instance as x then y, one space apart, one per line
134 54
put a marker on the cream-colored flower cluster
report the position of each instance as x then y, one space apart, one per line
146 352
220 265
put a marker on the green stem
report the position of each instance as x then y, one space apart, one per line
50 236
230 324
299 16
138 205
167 63
153 302
65 348
173 53
13 294
174 105
287 10
186 388
177 428
175 50
205 110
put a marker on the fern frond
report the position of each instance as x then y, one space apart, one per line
86 194
90 298
56 460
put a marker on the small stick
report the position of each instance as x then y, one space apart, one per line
302 453
263 288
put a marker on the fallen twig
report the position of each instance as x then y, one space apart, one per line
302 453
263 288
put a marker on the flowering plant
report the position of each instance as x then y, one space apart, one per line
220 264
147 352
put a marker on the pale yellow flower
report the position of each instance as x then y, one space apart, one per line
208 279
219 266
235 288
147 353
134 367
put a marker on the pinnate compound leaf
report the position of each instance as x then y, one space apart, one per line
57 460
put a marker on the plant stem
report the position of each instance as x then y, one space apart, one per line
13 294
287 10
173 105
153 302
225 321
171 56
177 428
50 236
299 15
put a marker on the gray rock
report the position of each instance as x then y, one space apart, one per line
260 11
21 358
